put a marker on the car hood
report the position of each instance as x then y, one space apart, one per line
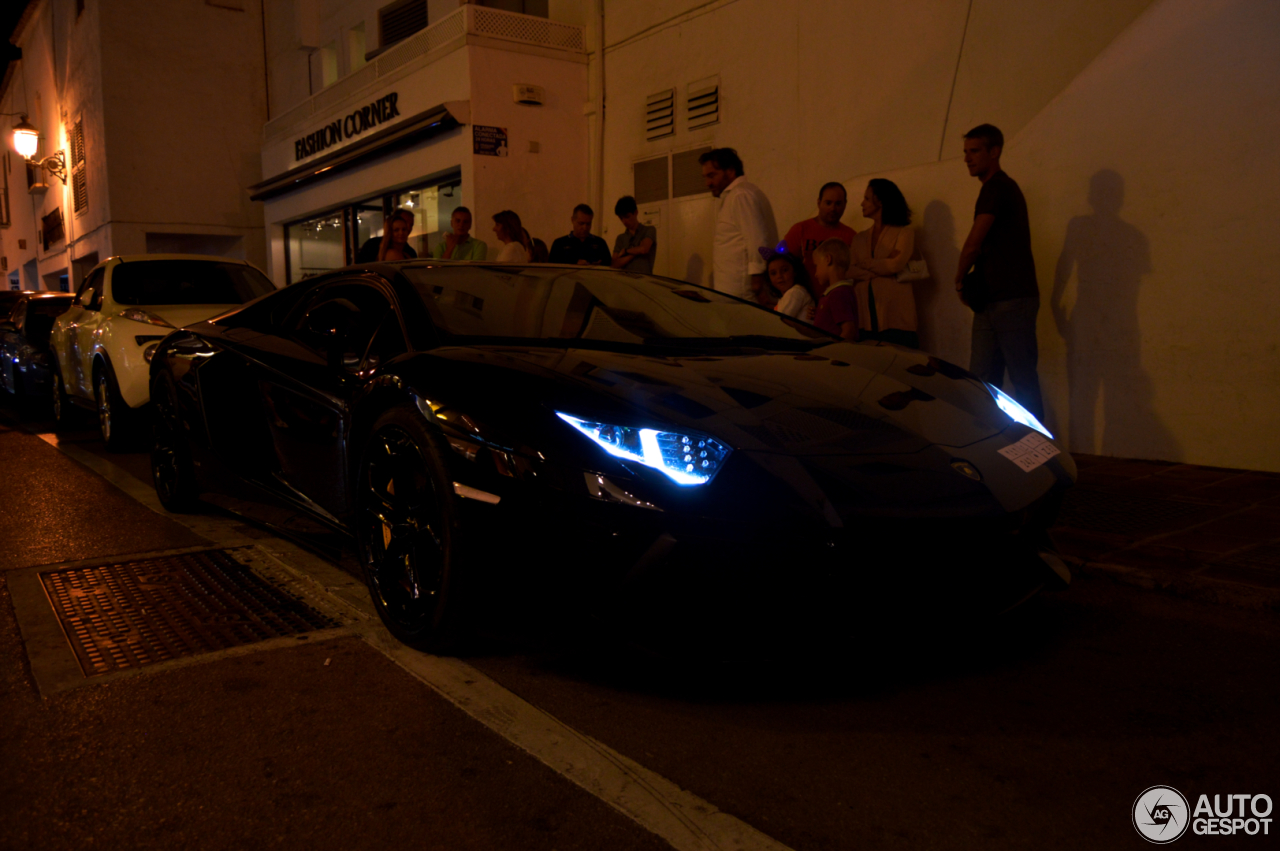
839 399
182 315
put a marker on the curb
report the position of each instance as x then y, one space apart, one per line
1187 586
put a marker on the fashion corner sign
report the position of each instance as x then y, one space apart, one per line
381 111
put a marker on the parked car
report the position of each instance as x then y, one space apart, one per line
123 309
8 301
24 342
652 431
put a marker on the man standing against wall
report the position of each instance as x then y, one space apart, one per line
744 225
809 234
999 250
581 246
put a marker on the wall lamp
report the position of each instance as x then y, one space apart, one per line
25 141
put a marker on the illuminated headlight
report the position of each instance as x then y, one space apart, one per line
1016 412
149 352
687 458
133 314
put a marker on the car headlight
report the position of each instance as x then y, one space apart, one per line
688 458
1016 412
133 314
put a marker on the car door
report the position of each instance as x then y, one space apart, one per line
312 373
83 318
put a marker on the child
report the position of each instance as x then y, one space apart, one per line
837 311
788 277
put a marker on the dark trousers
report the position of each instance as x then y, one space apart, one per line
1004 337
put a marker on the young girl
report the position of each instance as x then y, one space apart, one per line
788 277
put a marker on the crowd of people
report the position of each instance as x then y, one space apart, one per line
854 284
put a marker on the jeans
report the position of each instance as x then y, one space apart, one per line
1004 337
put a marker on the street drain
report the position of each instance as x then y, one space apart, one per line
137 613
1133 516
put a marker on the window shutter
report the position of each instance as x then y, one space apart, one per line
703 106
397 21
660 115
79 180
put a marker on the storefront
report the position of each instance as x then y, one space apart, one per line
431 125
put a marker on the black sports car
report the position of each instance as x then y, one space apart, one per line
650 434
24 342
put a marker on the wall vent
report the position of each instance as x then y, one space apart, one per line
686 173
651 180
660 115
703 105
397 21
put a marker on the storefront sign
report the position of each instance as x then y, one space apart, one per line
381 111
489 141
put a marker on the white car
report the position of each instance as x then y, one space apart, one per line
102 345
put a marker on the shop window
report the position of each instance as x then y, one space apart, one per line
316 246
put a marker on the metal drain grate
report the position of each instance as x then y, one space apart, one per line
137 613
1133 516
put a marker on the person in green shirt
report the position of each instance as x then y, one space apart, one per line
459 244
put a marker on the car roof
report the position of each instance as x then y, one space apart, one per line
47 294
142 258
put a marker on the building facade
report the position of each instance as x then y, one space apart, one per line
157 109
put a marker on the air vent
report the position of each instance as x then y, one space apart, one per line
686 173
660 115
398 21
651 180
703 108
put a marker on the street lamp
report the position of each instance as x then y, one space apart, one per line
26 139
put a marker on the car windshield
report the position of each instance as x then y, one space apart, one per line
187 282
552 304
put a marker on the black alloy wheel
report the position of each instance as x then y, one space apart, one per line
113 413
408 533
172 470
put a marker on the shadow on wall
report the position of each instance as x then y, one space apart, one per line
1111 409
693 271
944 322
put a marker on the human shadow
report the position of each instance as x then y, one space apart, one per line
940 315
1104 342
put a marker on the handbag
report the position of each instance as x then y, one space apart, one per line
917 270
973 289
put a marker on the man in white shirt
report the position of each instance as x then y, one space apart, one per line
744 224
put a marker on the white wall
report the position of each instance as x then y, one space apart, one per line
1169 109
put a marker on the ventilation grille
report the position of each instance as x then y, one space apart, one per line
398 21
660 115
651 180
686 173
703 108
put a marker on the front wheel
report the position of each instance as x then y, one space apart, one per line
113 412
172 470
408 533
59 404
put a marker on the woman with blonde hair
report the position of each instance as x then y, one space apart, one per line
886 306
516 245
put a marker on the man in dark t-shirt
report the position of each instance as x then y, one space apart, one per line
999 250
581 246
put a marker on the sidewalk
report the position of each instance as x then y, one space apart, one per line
1202 532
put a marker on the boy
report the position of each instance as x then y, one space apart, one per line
837 311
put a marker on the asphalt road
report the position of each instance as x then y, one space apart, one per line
1038 729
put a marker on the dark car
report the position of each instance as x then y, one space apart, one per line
24 342
646 433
